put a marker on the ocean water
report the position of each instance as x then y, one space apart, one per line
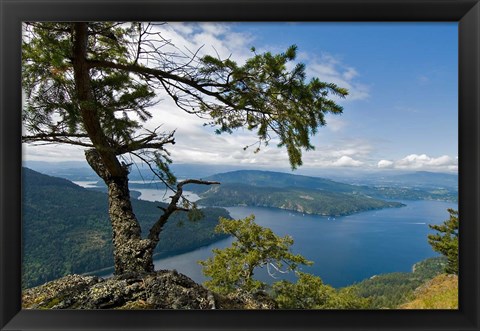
345 250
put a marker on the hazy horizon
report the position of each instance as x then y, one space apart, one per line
216 168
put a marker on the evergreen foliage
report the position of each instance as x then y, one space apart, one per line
255 247
446 241
232 269
309 292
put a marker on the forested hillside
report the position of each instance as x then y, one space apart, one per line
301 200
279 180
66 228
394 289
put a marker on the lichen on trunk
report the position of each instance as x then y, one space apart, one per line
131 252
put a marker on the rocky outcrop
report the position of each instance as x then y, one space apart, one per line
164 289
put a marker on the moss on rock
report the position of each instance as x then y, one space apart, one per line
163 289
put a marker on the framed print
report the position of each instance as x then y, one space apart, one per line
240 165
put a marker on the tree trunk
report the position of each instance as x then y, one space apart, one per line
131 252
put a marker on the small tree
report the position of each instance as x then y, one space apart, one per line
92 84
309 292
233 268
446 241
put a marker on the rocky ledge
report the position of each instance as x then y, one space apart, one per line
163 289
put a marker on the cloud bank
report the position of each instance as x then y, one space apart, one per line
421 161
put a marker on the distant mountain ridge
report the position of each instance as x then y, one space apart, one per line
262 178
304 194
279 180
79 170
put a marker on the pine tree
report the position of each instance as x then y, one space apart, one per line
446 241
254 247
309 292
93 85
232 269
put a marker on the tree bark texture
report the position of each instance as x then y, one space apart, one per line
131 252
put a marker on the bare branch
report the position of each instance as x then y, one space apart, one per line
196 181
53 138
173 207
154 171
56 135
151 141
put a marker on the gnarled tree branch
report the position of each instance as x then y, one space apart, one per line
173 207
53 138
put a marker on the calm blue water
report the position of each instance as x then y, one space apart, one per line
345 250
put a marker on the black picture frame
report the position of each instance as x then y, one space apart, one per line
465 12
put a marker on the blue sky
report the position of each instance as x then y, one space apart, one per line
401 114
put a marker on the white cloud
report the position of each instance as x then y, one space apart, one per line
422 161
52 152
210 38
385 164
339 153
203 146
347 161
329 69
350 73
213 28
334 123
